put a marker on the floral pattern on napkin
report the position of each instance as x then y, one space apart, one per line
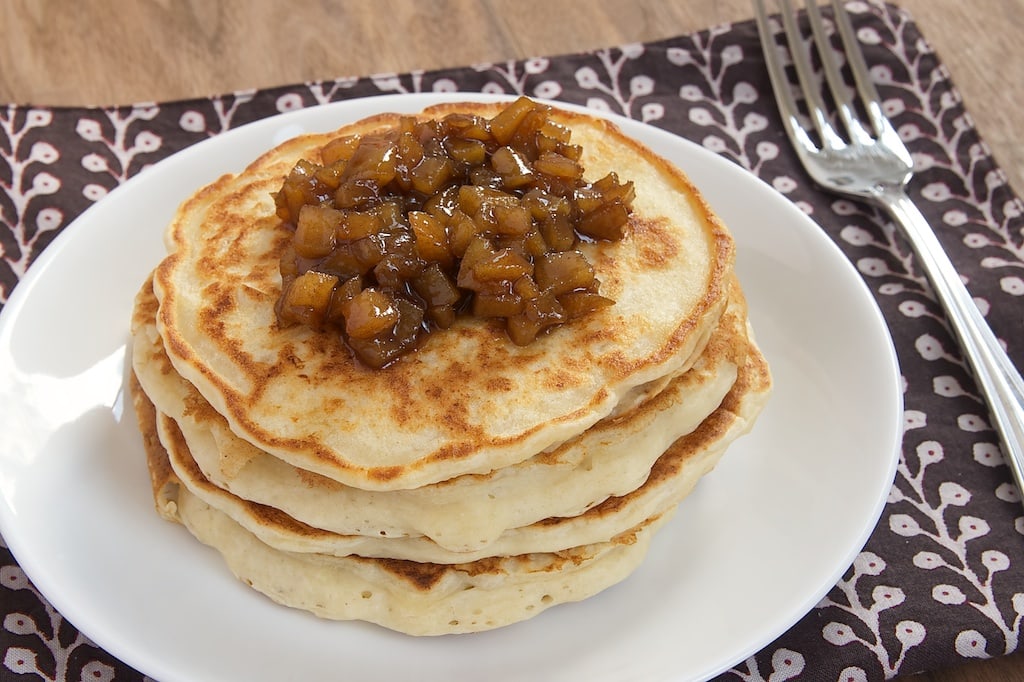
941 579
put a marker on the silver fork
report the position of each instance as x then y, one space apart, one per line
871 163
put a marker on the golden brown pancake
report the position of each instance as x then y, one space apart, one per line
418 598
466 513
671 478
473 482
468 400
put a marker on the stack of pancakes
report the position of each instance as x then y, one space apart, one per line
473 483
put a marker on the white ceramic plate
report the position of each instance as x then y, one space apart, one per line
759 542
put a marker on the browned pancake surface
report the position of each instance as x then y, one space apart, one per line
468 400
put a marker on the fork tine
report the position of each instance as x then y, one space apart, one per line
780 84
866 90
861 76
805 75
836 84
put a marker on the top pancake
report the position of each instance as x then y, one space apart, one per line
468 400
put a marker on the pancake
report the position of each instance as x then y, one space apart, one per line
670 480
467 401
473 482
418 598
412 597
163 480
467 513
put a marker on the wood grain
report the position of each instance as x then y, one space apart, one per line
101 52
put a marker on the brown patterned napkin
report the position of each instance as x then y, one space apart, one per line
942 577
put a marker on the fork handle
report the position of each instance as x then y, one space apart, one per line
999 381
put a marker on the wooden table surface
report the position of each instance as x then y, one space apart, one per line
103 52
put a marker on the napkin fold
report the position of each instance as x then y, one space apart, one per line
941 579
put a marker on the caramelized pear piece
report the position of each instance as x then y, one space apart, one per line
512 166
461 230
308 298
429 176
505 265
579 303
431 238
340 149
563 272
315 231
478 251
435 287
359 224
343 293
511 220
381 350
606 222
297 191
374 160
537 315
500 304
504 125
558 166
472 152
369 313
